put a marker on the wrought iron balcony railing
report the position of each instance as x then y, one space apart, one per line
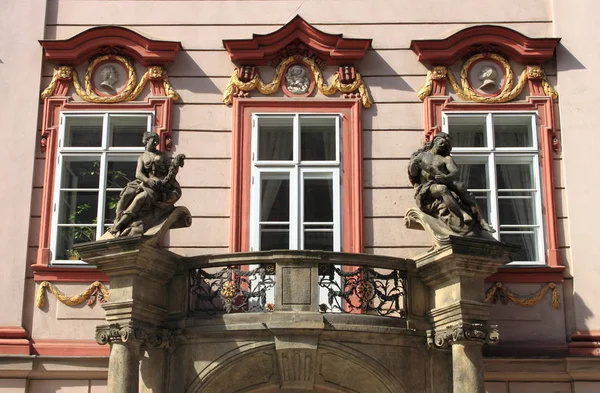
299 280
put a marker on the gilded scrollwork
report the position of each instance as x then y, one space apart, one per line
466 92
130 91
95 292
328 89
499 292
461 333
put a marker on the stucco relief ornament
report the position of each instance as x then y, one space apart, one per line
148 201
109 78
297 80
444 206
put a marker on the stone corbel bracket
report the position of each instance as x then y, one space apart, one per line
443 339
297 42
495 43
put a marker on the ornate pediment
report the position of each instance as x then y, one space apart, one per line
485 54
297 37
485 38
298 52
110 40
111 77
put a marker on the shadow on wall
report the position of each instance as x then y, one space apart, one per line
386 76
581 314
566 60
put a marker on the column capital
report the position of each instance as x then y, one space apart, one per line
134 334
463 333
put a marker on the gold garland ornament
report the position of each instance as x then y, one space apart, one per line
96 291
536 72
129 93
509 92
498 289
326 89
438 72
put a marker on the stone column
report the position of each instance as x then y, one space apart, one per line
466 341
139 274
123 363
458 314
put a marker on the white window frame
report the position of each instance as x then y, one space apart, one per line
297 171
491 155
102 152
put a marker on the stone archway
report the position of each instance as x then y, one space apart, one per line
262 370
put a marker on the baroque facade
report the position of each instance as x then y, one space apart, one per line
296 257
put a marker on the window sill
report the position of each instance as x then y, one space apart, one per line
76 273
528 274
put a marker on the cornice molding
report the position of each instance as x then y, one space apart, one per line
262 49
110 40
485 38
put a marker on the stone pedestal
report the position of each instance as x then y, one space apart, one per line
137 307
458 314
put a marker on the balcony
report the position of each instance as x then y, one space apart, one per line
257 288
306 321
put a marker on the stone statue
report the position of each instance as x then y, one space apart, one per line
147 201
440 195
296 79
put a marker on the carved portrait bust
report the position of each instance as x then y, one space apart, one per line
488 78
109 77
297 80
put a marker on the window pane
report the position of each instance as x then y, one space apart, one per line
516 211
467 131
317 138
67 236
110 205
120 171
274 237
514 176
528 244
473 175
78 207
276 138
483 201
83 131
318 200
127 130
318 241
275 200
513 131
80 172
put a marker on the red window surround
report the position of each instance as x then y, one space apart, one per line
351 111
298 38
73 52
526 51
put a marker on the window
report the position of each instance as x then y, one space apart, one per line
295 182
97 157
497 154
